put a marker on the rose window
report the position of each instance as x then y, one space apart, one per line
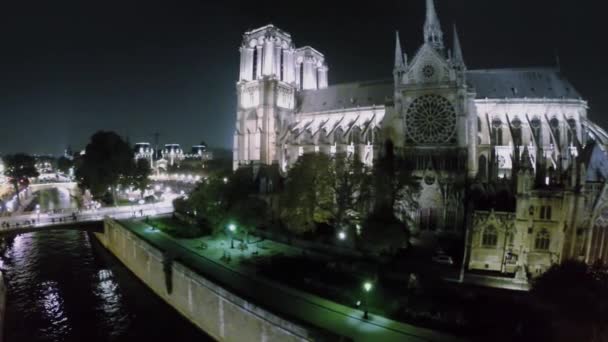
430 119
428 71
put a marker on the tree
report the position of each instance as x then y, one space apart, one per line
64 164
308 198
576 295
351 184
395 185
108 160
207 202
248 213
140 177
19 168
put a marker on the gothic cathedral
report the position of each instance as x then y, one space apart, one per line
465 133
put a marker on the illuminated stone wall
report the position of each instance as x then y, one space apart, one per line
215 310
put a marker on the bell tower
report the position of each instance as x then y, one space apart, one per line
265 94
271 72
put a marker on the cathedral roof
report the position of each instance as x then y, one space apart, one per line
521 83
488 83
348 95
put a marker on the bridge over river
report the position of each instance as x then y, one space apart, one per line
33 221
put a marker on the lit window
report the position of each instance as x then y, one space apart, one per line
489 238
543 239
542 212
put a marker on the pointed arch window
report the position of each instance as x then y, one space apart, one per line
489 237
483 165
554 124
542 241
572 131
516 131
254 70
535 126
497 132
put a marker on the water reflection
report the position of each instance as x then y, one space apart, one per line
64 287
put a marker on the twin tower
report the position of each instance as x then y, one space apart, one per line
272 70
269 52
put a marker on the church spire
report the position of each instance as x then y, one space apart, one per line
458 57
398 54
432 28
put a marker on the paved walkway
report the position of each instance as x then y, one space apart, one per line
287 302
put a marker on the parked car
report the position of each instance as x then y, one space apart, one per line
443 259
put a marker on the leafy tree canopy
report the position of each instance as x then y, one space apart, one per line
108 160
64 164
308 198
19 168
140 176
577 297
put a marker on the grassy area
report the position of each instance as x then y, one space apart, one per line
177 229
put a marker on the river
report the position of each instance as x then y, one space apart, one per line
63 286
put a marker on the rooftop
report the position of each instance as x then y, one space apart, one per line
347 95
521 83
510 83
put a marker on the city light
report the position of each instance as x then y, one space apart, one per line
342 235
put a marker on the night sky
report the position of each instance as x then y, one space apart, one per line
69 68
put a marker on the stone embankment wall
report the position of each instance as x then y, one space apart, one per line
215 310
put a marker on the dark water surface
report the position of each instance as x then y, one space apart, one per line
63 286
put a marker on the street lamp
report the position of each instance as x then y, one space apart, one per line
342 235
232 229
367 287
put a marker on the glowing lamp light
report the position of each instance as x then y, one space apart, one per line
367 286
232 227
225 180
342 235
157 187
141 201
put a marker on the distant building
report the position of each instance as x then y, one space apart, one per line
68 153
201 152
172 153
143 150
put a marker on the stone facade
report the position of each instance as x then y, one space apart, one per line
454 125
